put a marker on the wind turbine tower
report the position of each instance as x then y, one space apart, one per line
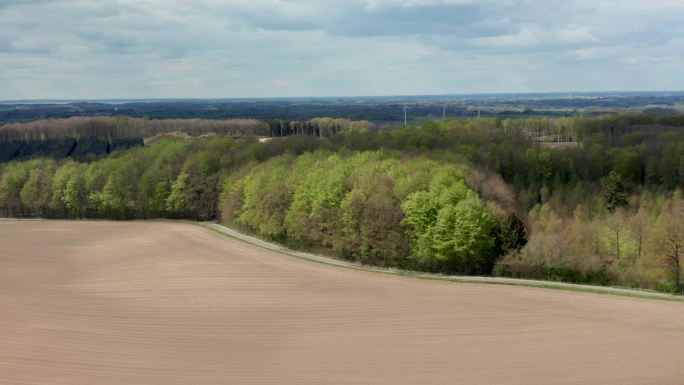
405 114
444 113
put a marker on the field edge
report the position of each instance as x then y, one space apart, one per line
605 290
232 233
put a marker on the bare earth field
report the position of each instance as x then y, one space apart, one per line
171 303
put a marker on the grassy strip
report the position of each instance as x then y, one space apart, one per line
616 291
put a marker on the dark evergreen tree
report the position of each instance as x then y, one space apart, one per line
512 234
613 192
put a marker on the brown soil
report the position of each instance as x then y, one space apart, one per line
171 303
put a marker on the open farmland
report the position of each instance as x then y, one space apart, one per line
173 303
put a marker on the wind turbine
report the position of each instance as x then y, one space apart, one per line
406 108
444 113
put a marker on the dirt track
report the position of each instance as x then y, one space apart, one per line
171 303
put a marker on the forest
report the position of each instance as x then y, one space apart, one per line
581 199
90 138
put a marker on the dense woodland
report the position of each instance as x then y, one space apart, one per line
89 138
84 148
594 199
125 127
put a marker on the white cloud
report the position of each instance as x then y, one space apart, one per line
247 48
375 4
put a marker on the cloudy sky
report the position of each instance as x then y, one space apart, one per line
265 48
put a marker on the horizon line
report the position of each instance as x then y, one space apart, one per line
570 94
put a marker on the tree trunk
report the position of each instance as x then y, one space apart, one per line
678 272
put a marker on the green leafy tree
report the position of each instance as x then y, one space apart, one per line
177 201
314 212
74 196
464 236
13 178
267 196
371 221
451 226
37 191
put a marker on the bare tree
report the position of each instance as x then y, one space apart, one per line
638 227
672 242
617 224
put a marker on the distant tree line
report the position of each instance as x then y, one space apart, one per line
108 128
85 138
84 148
125 127
320 127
